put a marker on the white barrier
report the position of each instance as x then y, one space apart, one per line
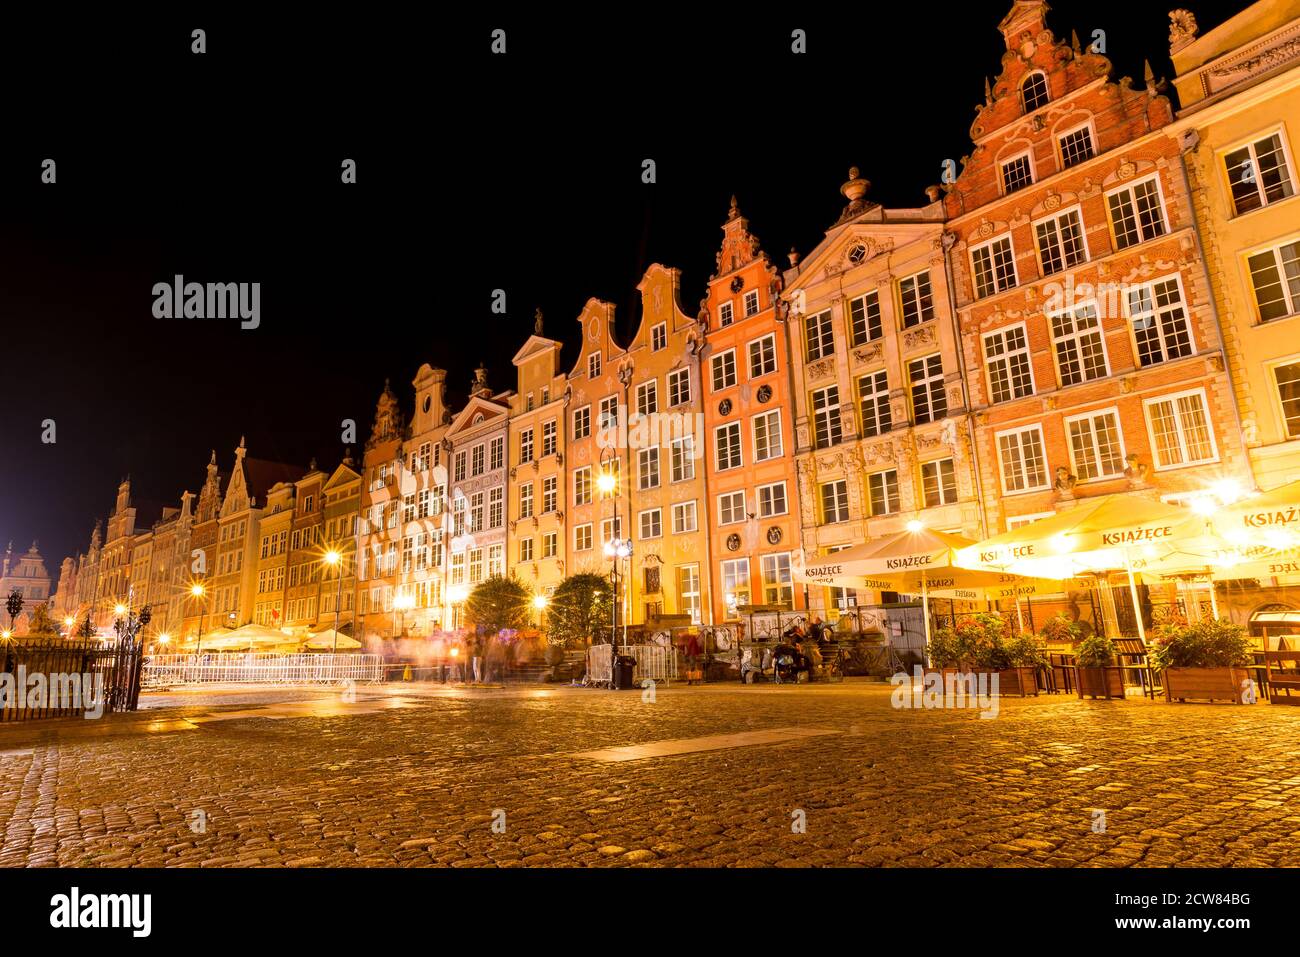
261 669
653 662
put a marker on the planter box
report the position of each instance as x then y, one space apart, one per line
1099 682
1018 681
1210 684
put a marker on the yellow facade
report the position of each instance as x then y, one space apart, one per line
273 556
537 491
1239 86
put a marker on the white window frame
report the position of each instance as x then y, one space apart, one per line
988 244
657 516
718 362
1028 156
643 456
744 303
647 397
674 379
1274 249
659 337
1090 416
1056 217
1209 428
758 372
1248 143
785 499
902 303
1004 357
681 511
1156 311
1002 469
956 486
1073 312
726 313
595 364
682 453
1129 187
581 535
727 507
1060 145
735 450
585 413
774 436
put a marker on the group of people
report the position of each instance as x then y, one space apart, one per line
478 658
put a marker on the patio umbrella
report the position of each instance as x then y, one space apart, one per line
249 638
1108 532
324 641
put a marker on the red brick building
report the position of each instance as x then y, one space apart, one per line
1089 336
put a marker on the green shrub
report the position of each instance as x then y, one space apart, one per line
1095 651
1061 628
1024 651
1205 644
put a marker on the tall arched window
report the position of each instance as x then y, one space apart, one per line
1033 91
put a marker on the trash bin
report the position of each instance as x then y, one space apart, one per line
623 666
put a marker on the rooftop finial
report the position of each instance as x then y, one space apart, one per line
537 321
734 212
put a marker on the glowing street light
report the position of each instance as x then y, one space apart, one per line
119 609
915 526
606 482
539 602
198 591
335 561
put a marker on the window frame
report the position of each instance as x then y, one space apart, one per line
1090 416
1131 186
1002 466
1209 428
988 244
1029 361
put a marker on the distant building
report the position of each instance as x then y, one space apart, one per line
26 575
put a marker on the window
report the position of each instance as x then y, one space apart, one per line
726 443
1258 174
916 298
731 508
873 403
496 507
725 314
688 591
408 508
1080 353
762 356
525 446
475 565
1060 242
994 267
608 418
767 436
683 454
826 417
882 489
611 528
772 500
735 583
652 523
459 504
659 337
526 500
1136 213
835 501
1076 146
647 397
648 468
1275 275
476 512
778 583
1016 173
679 387
550 545
582 422
1024 466
549 430
550 493
458 569
526 550
939 482
582 538
1287 378
1006 357
819 337
593 365
684 518
724 370
1160 323
1180 430
460 467
1033 92
929 403
864 318
582 486
1096 446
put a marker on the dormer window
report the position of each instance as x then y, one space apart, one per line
1033 92
593 365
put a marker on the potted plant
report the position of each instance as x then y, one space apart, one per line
1205 660
1061 630
1024 656
1094 665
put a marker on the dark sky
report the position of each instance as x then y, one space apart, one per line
474 173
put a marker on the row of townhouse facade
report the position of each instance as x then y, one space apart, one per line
1102 299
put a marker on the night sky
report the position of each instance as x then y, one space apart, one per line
475 172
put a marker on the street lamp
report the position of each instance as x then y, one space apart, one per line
608 483
335 561
198 591
401 603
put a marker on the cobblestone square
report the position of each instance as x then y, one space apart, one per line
422 775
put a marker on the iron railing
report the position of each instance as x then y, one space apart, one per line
57 678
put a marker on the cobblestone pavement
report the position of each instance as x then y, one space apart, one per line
412 775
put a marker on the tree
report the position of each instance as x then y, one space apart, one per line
497 603
580 610
14 605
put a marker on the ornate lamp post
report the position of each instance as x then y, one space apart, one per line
198 591
616 548
335 561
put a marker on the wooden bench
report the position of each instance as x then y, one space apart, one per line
1282 679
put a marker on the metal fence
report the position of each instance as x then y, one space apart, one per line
68 678
653 662
291 669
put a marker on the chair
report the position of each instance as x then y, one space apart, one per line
1131 654
1282 679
